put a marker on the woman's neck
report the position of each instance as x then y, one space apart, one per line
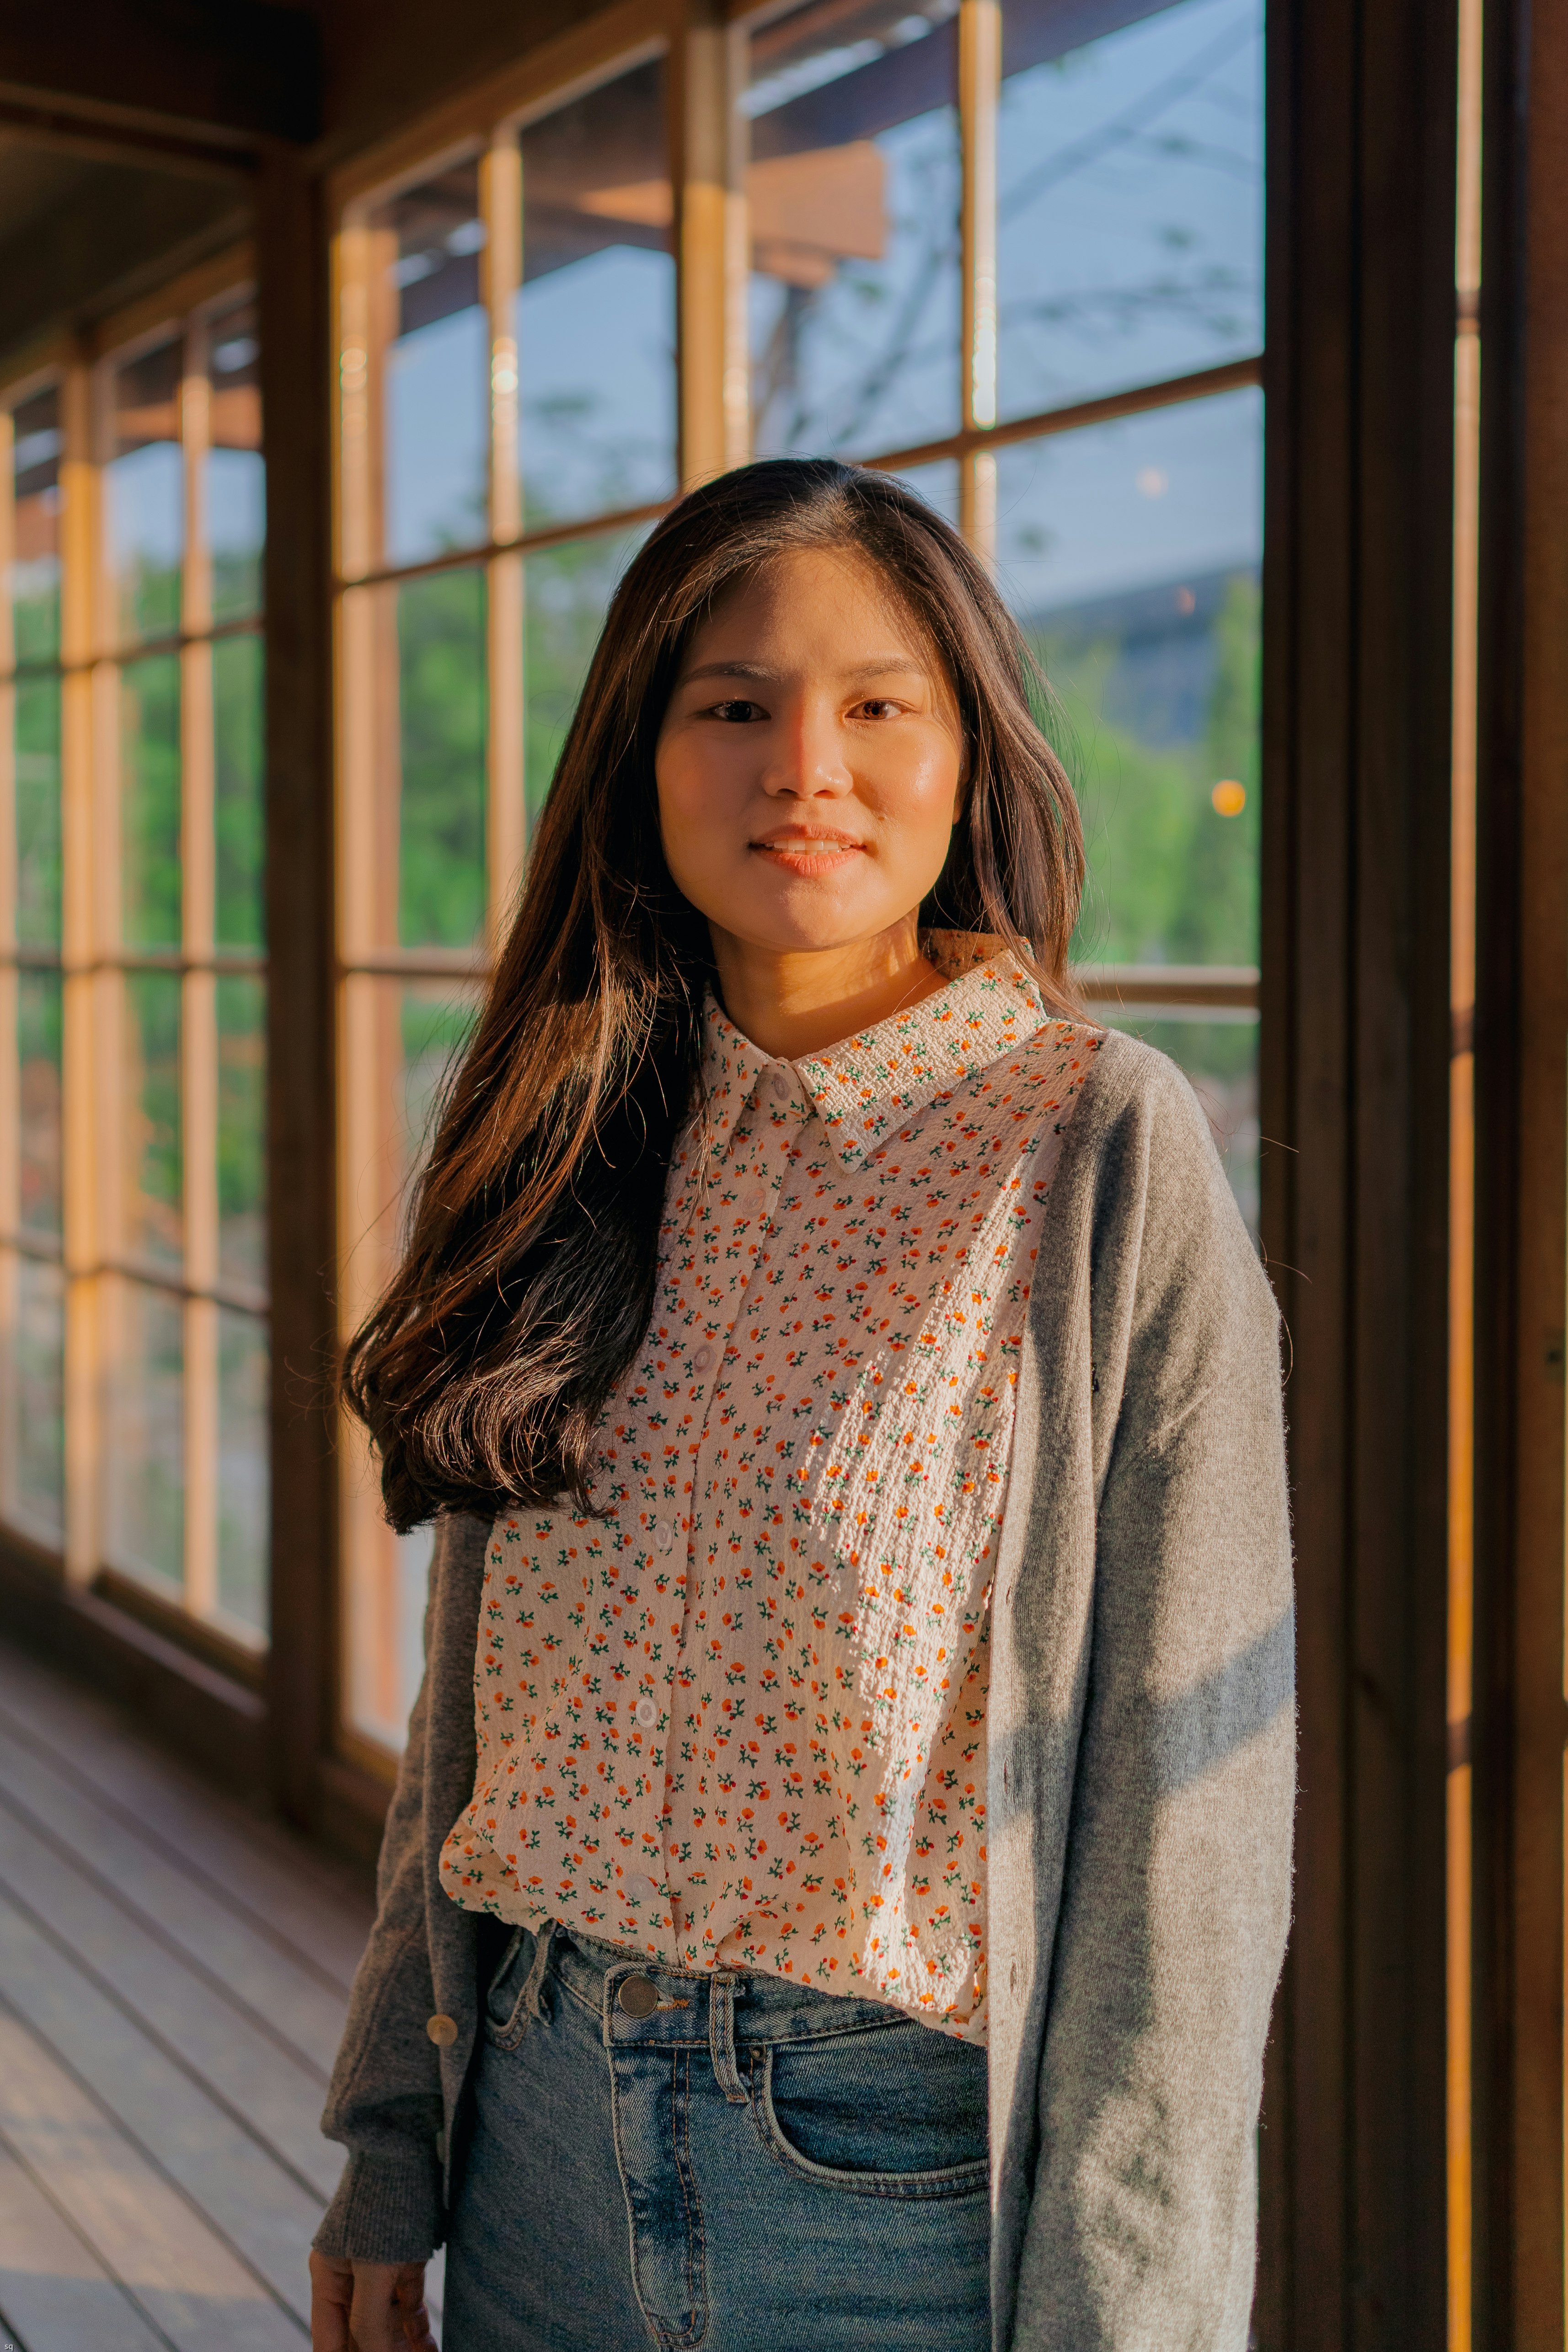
792 1003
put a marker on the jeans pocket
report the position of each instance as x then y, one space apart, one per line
506 2017
895 2112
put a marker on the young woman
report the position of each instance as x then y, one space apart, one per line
840 1865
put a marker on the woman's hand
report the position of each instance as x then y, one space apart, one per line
368 2306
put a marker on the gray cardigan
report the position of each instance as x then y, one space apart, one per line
1142 1745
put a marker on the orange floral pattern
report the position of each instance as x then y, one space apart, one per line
740 1720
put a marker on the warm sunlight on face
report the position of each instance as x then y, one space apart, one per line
808 773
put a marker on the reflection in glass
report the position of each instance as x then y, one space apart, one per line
34 583
853 190
442 699
144 494
567 593
1130 198
237 475
239 816
149 1116
242 1107
149 802
595 318
1131 552
34 1301
437 370
244 1493
38 788
144 1520
39 1003
1220 1055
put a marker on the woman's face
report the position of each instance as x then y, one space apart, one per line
809 764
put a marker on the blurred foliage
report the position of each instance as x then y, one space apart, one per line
1170 880
443 707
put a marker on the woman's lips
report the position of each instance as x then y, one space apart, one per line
807 853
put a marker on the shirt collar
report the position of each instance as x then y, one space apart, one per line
867 1086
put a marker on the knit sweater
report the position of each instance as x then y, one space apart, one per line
1141 1771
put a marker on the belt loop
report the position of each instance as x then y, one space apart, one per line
536 1977
721 2039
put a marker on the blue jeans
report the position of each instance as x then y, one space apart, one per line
746 2167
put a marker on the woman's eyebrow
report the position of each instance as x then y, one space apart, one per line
883 666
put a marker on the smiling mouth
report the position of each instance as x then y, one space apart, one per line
807 853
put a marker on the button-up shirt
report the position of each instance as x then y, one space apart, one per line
739 1719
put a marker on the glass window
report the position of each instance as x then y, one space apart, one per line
144 494
1130 199
132 1072
436 366
566 595
595 315
853 191
1131 552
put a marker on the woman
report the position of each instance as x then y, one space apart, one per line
840 1865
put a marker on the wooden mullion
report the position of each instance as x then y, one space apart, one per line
702 167
501 208
82 853
979 97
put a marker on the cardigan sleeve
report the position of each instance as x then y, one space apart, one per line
385 2100
1140 2234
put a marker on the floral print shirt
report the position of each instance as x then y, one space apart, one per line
739 1721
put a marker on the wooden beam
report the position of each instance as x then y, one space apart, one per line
122 229
1521 1188
296 393
238 67
1355 1085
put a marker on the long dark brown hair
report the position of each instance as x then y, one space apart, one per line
527 1279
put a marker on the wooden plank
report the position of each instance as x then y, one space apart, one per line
261 2212
281 1990
191 2286
316 1906
55 2293
273 2091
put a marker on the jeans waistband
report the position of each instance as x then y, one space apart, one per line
718 2010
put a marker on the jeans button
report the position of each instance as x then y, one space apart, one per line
638 1997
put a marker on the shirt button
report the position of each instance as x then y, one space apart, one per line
640 1885
780 1087
663 1535
442 2030
702 1360
647 1715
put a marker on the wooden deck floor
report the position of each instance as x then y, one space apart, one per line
173 1979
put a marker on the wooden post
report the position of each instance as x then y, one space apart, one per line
1355 1077
709 241
82 857
979 95
198 997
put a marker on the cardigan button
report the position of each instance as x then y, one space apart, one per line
442 2030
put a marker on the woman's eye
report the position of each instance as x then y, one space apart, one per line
876 709
739 713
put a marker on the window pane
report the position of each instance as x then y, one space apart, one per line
1131 553
144 1519
144 494
567 593
1219 1055
937 485
442 708
243 1491
149 1077
237 476
39 1026
242 1105
35 583
1130 200
32 1298
238 816
437 369
37 742
596 315
149 802
854 189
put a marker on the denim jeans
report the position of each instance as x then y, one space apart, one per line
747 2166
